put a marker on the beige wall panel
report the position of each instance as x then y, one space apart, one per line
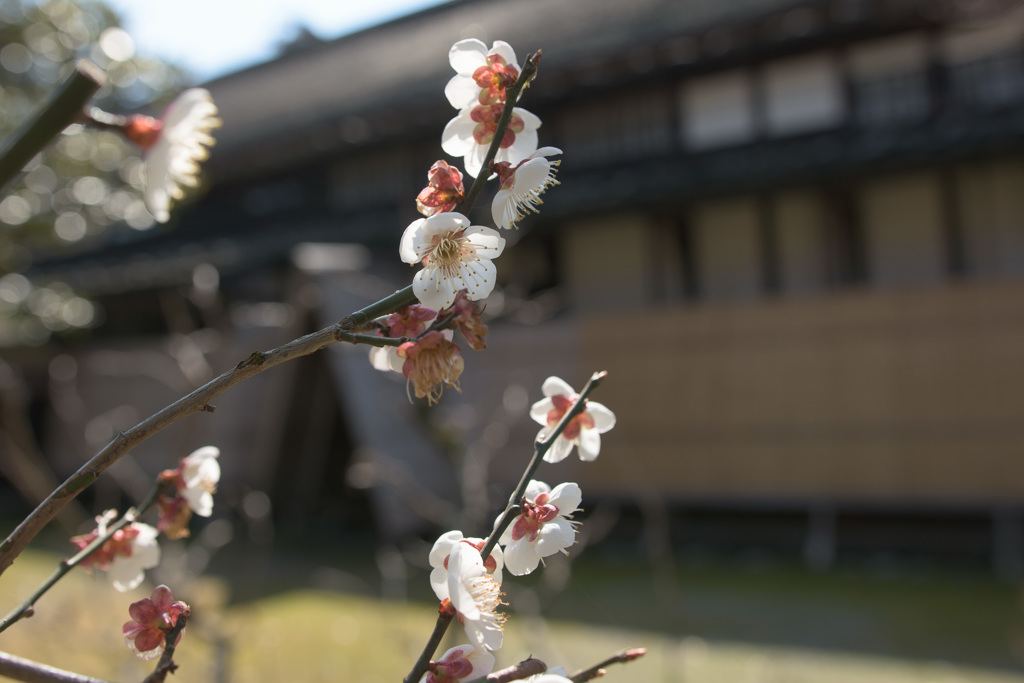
800 224
607 262
903 229
727 249
990 197
914 395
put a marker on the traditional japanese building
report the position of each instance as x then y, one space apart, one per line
793 233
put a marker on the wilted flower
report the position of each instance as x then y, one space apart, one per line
522 186
195 481
444 190
410 322
152 619
469 135
476 596
467 319
430 364
440 554
482 74
455 255
460 663
175 144
125 555
583 431
541 529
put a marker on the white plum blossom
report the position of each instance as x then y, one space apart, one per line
126 555
522 186
441 552
127 571
200 474
482 75
583 431
476 596
541 529
469 135
175 144
455 255
460 663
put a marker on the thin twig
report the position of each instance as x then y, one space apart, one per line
27 607
197 401
598 669
444 617
166 664
27 671
540 448
524 669
61 110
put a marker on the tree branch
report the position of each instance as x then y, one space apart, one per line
25 609
524 669
598 669
197 401
61 110
27 671
166 664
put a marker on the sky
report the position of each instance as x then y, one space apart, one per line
214 37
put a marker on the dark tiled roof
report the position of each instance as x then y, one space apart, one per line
408 58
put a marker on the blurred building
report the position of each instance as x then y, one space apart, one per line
793 233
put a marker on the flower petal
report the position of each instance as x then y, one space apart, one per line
555 386
604 419
566 497
409 248
505 51
539 410
589 444
466 56
462 91
535 488
554 536
559 450
457 138
487 242
433 289
521 557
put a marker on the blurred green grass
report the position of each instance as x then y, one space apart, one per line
700 624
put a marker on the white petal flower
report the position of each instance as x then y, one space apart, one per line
542 528
200 473
460 663
172 163
476 596
583 431
521 190
455 255
469 135
127 571
439 557
480 73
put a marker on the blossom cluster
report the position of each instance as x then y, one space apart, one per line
470 585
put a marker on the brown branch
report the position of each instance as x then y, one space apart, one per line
598 669
27 671
166 664
524 669
61 110
197 401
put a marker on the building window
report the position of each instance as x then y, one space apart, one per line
890 80
717 110
990 81
728 249
633 127
803 95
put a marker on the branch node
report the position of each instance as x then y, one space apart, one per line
255 358
207 408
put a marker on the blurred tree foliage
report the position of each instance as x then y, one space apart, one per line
85 186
